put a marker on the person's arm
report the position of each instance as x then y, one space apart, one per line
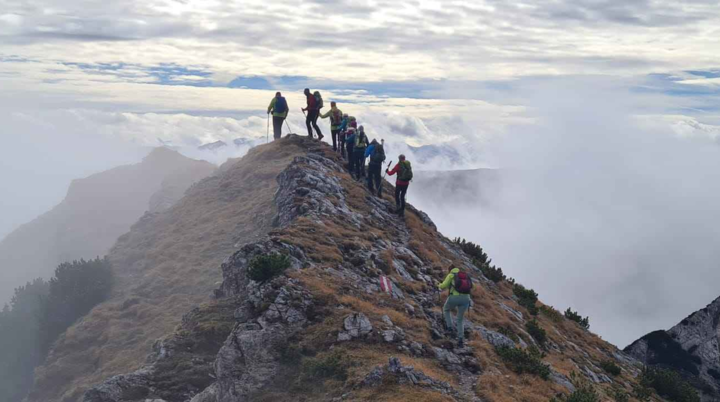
394 170
326 115
369 150
447 282
272 105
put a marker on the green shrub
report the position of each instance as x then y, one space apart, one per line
521 361
76 288
586 393
480 259
669 385
574 316
509 333
642 392
265 267
549 312
332 366
526 298
535 330
610 367
619 395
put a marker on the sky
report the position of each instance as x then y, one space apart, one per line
87 85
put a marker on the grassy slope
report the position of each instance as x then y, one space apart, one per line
165 265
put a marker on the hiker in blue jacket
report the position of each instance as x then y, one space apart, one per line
342 133
376 152
350 143
279 109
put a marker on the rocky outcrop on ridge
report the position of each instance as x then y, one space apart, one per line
692 348
325 331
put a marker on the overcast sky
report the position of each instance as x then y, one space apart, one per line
86 85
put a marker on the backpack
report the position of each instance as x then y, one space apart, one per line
360 140
281 105
378 155
336 117
318 100
405 173
463 284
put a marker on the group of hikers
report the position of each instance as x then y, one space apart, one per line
351 142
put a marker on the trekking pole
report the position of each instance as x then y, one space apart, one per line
288 126
267 135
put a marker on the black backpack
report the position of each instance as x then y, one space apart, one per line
280 105
318 100
463 283
378 155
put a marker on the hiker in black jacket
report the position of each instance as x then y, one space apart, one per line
376 152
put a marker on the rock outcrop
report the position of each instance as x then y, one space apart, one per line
692 348
324 330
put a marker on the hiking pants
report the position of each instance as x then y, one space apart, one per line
341 143
400 192
358 158
277 126
462 303
374 177
334 134
351 156
311 121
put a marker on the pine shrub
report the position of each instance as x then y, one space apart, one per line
535 330
669 385
610 367
525 361
265 267
526 298
552 314
575 316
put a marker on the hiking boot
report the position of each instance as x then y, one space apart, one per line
461 344
320 137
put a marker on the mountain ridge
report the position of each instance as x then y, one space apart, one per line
324 330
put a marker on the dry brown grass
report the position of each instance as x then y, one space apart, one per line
169 263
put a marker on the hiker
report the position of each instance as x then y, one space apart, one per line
314 104
460 286
404 175
376 152
350 144
361 143
342 133
336 117
279 109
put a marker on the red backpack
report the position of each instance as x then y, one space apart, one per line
463 284
336 116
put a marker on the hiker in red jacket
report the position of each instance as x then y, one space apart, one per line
404 175
313 112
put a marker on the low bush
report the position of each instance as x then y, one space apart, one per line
525 361
526 298
265 267
575 316
493 273
619 395
586 393
509 333
330 366
481 260
535 330
552 314
669 385
610 367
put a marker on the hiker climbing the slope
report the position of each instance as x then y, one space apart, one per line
336 117
279 109
403 169
460 285
350 144
376 152
314 104
361 143
342 133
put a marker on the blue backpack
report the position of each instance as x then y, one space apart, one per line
281 105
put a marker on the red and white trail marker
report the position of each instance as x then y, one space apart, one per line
385 284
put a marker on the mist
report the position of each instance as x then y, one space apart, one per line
598 212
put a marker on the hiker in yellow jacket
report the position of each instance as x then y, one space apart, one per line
279 108
456 299
336 118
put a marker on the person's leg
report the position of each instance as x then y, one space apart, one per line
403 192
308 123
351 156
397 198
369 180
277 126
462 307
334 134
446 313
376 176
314 123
